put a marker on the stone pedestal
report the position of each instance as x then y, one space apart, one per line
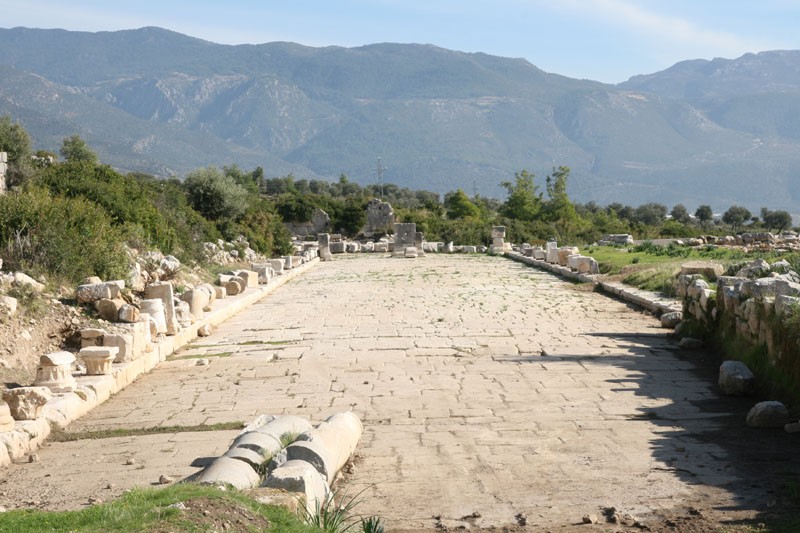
405 236
55 372
498 239
26 403
98 359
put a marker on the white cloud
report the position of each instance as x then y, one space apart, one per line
668 29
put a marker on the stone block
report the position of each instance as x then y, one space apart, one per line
164 292
587 265
410 252
55 372
381 247
154 307
278 265
93 292
563 254
108 309
250 277
129 314
98 359
708 269
220 292
182 314
300 477
735 379
324 240
405 235
551 252
769 414
670 320
123 344
470 249
264 271
198 300
26 403
498 232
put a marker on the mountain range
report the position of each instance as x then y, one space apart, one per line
717 132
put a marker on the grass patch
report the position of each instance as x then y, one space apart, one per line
204 356
660 279
59 435
149 510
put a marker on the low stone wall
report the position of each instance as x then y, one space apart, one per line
651 301
88 391
759 307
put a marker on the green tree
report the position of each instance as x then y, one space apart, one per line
215 195
778 220
559 209
74 149
680 214
458 205
352 217
15 142
651 214
704 213
522 203
735 216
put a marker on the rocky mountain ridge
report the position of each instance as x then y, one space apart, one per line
150 100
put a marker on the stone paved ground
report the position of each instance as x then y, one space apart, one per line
485 387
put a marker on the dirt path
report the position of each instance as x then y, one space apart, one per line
492 395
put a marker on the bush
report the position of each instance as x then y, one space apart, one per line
215 195
67 237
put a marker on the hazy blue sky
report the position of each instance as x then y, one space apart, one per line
605 40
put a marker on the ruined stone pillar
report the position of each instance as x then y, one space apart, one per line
324 240
419 237
163 291
55 372
26 403
98 359
154 307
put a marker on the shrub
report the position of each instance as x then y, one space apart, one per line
67 237
215 195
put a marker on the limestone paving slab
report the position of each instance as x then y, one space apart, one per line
484 386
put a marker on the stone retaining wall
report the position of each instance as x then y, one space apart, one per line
90 391
758 307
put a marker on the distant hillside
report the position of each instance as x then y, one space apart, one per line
151 100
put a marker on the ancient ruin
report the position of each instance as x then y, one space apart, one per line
380 218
